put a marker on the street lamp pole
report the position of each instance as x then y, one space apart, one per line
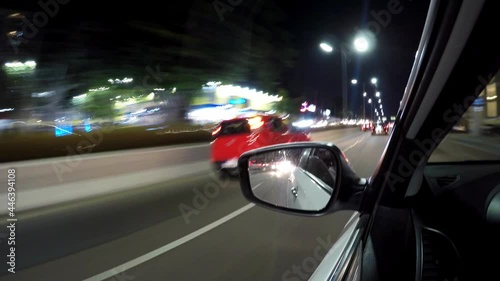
361 45
343 56
364 96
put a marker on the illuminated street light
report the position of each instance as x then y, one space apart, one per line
377 94
364 94
354 81
369 100
361 44
380 106
379 100
326 47
374 80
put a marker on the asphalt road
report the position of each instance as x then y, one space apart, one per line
195 227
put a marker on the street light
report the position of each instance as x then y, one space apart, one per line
326 47
377 94
369 100
379 100
361 44
380 106
354 81
343 60
364 94
374 80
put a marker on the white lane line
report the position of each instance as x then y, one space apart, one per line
144 258
255 187
358 141
90 156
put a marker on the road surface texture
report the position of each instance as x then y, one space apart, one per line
190 227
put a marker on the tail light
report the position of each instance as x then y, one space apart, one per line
216 131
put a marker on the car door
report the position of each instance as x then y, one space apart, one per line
382 242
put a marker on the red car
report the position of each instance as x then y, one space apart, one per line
231 138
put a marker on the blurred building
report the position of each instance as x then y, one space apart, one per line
19 47
490 95
484 113
236 96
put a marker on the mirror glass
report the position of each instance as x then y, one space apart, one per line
295 178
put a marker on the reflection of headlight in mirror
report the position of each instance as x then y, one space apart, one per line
285 167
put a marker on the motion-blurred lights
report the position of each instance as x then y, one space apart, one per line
99 89
213 83
30 63
361 44
228 91
311 108
159 89
380 106
43 94
16 65
6 109
369 100
354 81
374 80
377 94
379 100
122 81
82 96
326 47
364 94
303 123
150 96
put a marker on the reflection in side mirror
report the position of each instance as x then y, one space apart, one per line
303 178
294 178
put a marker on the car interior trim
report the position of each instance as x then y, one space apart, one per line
468 15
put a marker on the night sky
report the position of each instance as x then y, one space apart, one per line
316 75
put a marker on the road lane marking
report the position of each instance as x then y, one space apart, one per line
144 258
358 141
255 187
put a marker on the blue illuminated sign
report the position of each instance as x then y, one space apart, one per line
238 101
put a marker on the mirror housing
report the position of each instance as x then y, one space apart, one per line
347 194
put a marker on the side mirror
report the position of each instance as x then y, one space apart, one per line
306 178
